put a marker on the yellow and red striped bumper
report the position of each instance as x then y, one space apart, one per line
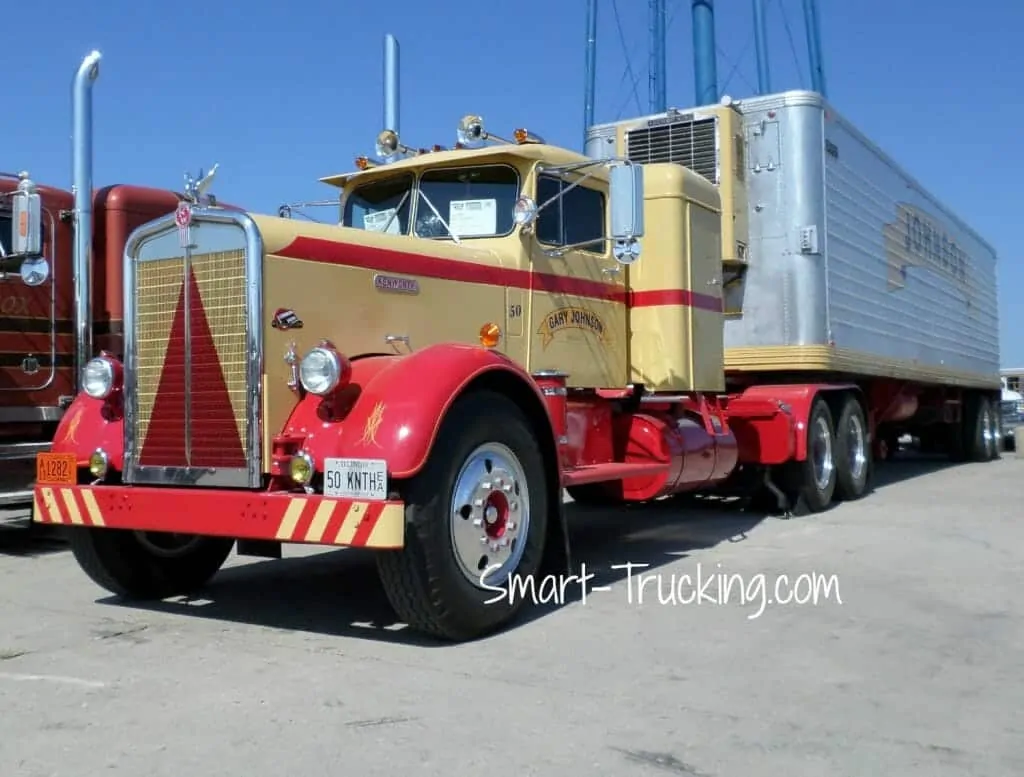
305 519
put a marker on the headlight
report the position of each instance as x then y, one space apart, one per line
98 378
320 371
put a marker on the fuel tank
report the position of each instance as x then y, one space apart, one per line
696 457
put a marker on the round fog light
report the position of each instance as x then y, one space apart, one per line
98 463
301 469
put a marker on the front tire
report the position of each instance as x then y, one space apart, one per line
476 519
147 565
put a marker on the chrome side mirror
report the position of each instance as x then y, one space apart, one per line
626 210
27 221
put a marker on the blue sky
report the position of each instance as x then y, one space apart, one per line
281 94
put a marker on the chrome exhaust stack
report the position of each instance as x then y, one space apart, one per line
81 186
391 84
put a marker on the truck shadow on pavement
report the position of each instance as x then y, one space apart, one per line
31 541
337 592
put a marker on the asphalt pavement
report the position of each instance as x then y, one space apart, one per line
910 662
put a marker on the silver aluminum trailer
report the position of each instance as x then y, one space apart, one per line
841 262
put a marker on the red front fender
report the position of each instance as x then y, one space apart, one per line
399 403
89 424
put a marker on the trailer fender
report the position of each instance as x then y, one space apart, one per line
394 407
775 445
89 424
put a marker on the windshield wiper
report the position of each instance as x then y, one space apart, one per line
398 207
440 218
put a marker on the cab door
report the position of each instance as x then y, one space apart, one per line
578 317
27 324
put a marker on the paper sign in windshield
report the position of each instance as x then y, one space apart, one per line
473 218
379 222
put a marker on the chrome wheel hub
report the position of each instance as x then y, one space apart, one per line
988 431
856 451
822 460
489 515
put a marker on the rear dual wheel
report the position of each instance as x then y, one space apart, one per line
838 462
979 430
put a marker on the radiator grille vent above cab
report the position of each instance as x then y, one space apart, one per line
687 142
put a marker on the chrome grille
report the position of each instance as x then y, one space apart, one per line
192 367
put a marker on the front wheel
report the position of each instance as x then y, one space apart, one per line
147 565
476 522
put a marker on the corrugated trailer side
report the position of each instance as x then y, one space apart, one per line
912 288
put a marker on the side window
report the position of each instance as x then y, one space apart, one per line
576 217
6 230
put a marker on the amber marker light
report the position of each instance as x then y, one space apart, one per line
98 463
490 335
524 136
301 468
364 163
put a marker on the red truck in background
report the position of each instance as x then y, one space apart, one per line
58 305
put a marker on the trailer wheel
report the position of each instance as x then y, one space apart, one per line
147 565
996 444
811 483
853 452
978 433
476 522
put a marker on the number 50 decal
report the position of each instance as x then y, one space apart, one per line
515 311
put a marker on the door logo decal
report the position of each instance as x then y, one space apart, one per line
572 318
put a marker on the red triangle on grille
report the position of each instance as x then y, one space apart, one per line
215 440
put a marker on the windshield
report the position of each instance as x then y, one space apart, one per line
380 206
469 201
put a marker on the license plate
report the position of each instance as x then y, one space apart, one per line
56 469
356 478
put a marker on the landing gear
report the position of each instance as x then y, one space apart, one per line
476 516
147 565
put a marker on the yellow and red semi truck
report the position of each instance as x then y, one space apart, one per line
52 311
484 328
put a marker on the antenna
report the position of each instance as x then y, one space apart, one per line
590 69
658 93
813 27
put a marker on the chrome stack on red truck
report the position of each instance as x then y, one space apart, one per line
60 292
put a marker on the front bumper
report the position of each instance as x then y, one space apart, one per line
301 518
